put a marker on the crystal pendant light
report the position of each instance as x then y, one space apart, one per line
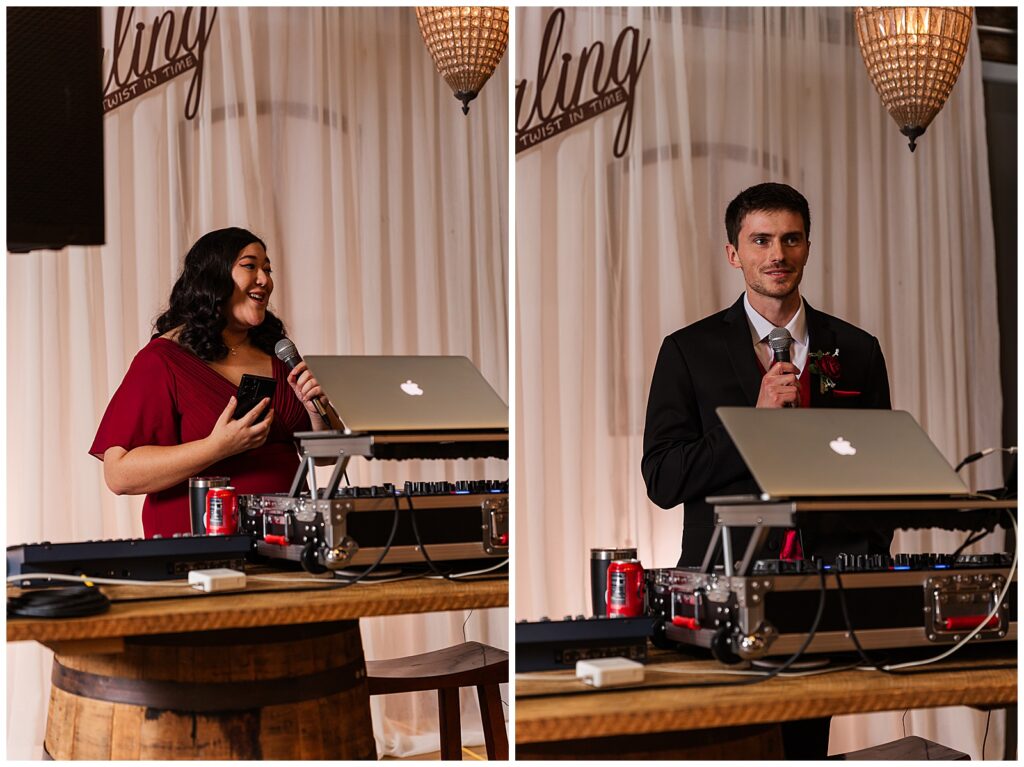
913 56
466 43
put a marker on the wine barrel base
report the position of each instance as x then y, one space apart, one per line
295 692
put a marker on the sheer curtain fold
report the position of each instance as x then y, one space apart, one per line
614 254
328 133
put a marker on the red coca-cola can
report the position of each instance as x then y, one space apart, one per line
625 588
221 511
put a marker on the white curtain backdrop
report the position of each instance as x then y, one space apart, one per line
612 255
328 133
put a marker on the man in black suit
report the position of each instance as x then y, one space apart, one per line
724 359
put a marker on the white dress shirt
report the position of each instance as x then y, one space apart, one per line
760 328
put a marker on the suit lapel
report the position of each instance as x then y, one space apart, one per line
741 351
820 338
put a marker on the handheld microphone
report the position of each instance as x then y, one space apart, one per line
779 340
285 351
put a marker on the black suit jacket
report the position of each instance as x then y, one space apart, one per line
688 455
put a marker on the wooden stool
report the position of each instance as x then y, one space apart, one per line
910 748
464 665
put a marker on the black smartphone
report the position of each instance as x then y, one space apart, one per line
251 390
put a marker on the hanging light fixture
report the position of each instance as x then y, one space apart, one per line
913 56
466 44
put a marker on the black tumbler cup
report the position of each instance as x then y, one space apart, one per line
599 561
197 487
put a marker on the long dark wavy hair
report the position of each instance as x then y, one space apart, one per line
202 291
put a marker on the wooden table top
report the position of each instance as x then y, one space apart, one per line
545 713
262 604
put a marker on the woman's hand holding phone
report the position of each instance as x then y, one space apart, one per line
231 435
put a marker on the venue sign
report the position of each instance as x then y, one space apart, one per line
610 81
142 58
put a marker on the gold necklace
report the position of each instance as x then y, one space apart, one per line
233 349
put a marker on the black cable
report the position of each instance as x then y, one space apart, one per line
1010 665
905 722
371 568
972 538
984 740
69 602
880 667
849 628
419 541
969 459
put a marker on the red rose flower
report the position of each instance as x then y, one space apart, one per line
829 366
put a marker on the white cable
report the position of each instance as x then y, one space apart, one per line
90 579
979 627
471 572
751 672
694 672
293 581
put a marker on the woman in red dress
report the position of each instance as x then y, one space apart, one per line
171 417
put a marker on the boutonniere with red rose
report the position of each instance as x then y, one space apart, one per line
825 365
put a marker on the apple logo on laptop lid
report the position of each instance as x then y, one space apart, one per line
842 446
412 388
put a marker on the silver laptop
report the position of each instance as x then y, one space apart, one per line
408 394
826 452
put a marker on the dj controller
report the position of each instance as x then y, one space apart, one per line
905 601
445 521
442 521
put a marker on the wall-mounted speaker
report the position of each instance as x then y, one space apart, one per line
54 128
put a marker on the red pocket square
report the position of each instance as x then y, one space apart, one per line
841 393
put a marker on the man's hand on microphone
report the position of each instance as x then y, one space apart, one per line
306 388
780 387
232 436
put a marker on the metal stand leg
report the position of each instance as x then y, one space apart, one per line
727 551
300 477
757 536
311 476
709 556
339 471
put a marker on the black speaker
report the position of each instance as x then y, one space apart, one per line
54 128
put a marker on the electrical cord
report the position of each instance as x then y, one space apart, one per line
67 602
970 541
88 579
984 740
701 672
982 453
383 553
454 576
419 541
849 628
968 637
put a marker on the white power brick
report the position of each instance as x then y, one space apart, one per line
609 672
218 579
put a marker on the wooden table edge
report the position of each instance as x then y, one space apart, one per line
643 722
122 622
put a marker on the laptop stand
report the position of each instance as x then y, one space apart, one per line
763 515
342 447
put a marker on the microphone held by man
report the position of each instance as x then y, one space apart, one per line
779 341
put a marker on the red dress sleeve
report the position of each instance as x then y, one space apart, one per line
143 410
